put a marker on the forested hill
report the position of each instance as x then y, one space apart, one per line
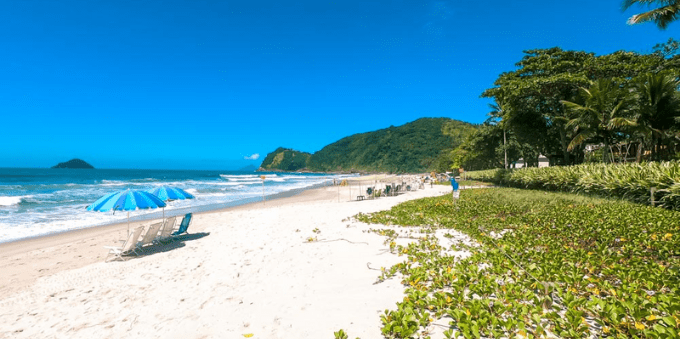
418 146
285 159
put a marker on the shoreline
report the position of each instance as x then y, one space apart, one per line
177 212
89 235
110 234
245 269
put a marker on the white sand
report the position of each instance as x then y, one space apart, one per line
253 273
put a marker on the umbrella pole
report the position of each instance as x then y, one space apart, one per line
128 223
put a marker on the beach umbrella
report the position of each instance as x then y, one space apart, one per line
166 193
126 200
170 193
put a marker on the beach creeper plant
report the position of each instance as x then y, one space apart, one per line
341 335
548 265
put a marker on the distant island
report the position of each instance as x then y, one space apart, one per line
74 163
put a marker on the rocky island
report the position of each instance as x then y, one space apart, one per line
74 163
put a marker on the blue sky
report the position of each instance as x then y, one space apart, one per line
203 84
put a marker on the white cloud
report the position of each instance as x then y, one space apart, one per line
252 157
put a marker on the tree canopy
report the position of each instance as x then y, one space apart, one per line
559 102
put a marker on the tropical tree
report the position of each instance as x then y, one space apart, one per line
497 113
601 115
531 97
666 12
658 108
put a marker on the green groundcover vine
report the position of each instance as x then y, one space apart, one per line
541 265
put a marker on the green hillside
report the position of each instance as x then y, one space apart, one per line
285 159
417 146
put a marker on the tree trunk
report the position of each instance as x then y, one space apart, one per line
505 150
657 152
565 145
604 151
638 157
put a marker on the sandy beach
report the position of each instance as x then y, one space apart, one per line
244 270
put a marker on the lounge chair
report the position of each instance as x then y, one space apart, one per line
167 229
150 235
184 225
128 247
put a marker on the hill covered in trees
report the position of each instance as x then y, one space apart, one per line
418 146
285 159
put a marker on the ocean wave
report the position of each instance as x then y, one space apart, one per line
54 207
144 180
113 183
244 180
238 176
10 201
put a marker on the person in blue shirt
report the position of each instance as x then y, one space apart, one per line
454 183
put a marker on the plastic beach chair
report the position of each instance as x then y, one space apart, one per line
150 235
167 229
184 225
128 247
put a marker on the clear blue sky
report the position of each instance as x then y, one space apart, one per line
202 84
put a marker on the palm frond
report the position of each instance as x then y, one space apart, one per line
662 16
621 122
580 138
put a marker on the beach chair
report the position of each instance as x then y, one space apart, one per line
184 225
167 229
150 235
128 247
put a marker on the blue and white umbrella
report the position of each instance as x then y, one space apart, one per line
170 193
126 200
166 193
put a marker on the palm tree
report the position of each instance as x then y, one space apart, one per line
600 118
663 15
659 106
498 111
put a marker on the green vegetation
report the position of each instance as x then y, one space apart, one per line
418 146
550 264
566 104
626 181
663 15
285 159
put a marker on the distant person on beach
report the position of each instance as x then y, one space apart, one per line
454 184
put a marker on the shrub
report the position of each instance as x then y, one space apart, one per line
626 181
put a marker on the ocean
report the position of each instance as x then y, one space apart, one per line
36 202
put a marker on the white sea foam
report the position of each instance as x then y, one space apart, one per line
9 201
237 177
61 207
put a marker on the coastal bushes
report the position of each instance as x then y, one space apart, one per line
550 264
630 181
